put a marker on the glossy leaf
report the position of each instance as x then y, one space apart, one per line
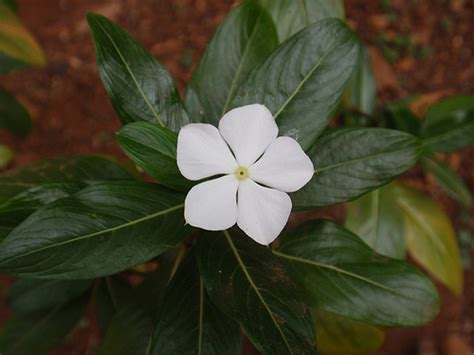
71 169
13 116
303 79
342 275
449 125
448 180
38 332
377 220
291 16
153 148
138 86
363 87
339 335
16 209
245 38
430 237
189 318
130 222
29 295
351 162
15 40
248 284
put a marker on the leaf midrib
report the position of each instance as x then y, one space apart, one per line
125 63
255 288
339 270
306 78
87 236
240 67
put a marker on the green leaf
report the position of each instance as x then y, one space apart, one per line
153 148
339 335
303 79
15 40
449 125
431 239
29 295
341 274
138 86
129 332
189 318
13 116
377 220
11 4
129 222
351 162
248 284
402 118
71 169
291 16
16 209
111 294
38 332
448 180
245 38
363 87
6 156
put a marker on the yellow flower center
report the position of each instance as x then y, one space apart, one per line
242 173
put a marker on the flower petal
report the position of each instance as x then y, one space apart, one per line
248 130
202 152
283 166
212 205
263 212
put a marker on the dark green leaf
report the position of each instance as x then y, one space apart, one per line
111 294
153 148
351 162
449 125
60 170
128 222
189 323
378 221
11 4
430 236
16 209
129 332
448 179
402 118
342 275
339 335
245 38
37 332
248 284
303 79
138 86
363 87
28 295
13 116
291 16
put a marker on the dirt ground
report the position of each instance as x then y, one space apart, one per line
72 114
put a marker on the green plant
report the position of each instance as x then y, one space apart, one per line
79 228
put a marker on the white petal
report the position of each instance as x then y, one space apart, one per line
263 212
202 152
212 205
248 130
284 166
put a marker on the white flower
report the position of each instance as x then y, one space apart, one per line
257 173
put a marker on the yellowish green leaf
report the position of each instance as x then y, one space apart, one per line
15 40
340 335
430 237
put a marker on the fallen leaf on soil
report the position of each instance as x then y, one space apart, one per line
421 104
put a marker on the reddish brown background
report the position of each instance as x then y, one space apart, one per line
71 112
